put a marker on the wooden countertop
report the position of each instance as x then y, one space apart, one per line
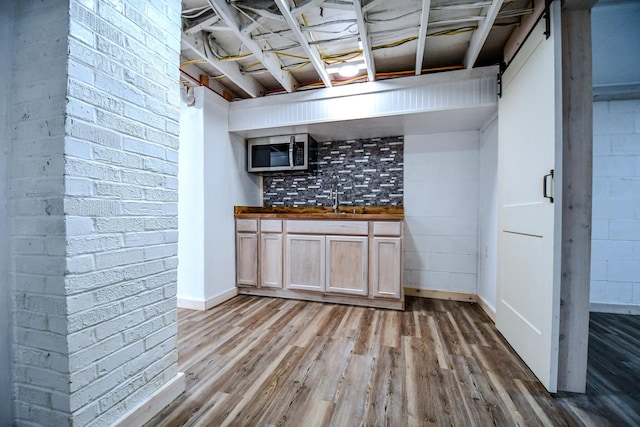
362 213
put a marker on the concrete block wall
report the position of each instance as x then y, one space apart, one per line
121 204
36 117
93 206
615 258
441 179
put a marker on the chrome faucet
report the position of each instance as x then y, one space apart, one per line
334 193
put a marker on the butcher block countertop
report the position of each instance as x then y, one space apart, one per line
378 213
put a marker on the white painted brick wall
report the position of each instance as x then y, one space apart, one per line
441 175
615 258
94 206
121 154
36 117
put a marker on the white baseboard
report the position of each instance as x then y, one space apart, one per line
202 305
490 311
154 404
453 296
600 307
220 298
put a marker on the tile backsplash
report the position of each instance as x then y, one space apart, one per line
370 173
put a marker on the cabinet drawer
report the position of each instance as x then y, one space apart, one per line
354 228
387 228
247 225
271 225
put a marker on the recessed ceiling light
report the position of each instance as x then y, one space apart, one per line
348 70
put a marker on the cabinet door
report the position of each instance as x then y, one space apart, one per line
271 260
386 267
246 259
305 262
347 265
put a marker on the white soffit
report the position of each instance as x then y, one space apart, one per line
454 90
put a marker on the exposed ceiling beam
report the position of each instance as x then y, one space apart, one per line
338 4
305 5
422 35
371 5
202 24
247 83
480 35
311 52
248 28
364 39
270 61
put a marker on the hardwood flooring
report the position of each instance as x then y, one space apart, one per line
257 361
613 373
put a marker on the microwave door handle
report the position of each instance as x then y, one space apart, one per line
292 140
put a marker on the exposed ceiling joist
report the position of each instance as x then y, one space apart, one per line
371 5
305 6
202 24
269 60
422 35
311 52
480 35
248 28
338 4
364 39
229 69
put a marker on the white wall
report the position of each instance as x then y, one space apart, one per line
213 179
488 214
441 211
5 286
226 184
191 200
615 258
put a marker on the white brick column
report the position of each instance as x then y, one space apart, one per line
36 121
94 204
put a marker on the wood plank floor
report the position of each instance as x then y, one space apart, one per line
613 373
256 361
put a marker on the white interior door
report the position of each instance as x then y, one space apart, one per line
528 280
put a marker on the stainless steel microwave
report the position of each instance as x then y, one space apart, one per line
279 153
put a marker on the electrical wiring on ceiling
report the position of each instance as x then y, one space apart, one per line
333 31
199 11
342 57
369 20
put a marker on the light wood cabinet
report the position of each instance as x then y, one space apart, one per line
334 260
347 264
386 267
270 260
247 259
305 262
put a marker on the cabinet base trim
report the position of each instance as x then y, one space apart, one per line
319 297
203 305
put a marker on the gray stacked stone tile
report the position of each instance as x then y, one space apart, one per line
370 173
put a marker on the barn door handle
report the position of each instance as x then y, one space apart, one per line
547 182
